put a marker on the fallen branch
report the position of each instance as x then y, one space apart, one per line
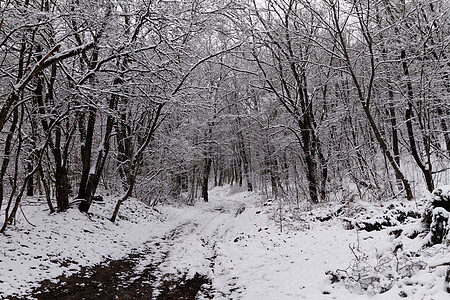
26 216
440 265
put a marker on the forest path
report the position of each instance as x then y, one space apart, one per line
228 248
257 258
236 242
173 266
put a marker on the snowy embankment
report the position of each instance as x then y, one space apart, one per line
236 241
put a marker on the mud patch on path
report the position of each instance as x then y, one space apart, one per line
111 280
117 280
121 280
183 288
128 278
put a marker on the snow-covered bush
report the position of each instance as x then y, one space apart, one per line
377 275
393 214
435 218
416 249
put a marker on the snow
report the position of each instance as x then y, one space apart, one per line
243 251
443 191
62 242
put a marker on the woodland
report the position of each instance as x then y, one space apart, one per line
312 101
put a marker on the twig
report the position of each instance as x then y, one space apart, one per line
440 265
20 206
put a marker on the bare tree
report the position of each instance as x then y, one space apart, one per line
285 62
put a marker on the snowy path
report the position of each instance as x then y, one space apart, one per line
242 255
254 260
247 257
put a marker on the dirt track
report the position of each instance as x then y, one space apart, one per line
173 266
119 280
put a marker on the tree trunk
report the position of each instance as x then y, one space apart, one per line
103 152
273 172
365 99
395 142
86 139
62 188
30 183
445 130
296 183
387 153
7 152
311 165
40 174
205 179
124 145
123 199
311 175
193 185
136 160
245 161
16 175
426 170
239 171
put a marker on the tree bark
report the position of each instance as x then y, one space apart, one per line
7 152
86 139
245 161
426 170
62 188
444 127
94 178
395 141
30 183
205 179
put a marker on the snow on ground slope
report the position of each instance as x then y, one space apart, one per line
63 242
233 240
255 260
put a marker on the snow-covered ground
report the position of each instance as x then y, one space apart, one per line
235 240
63 242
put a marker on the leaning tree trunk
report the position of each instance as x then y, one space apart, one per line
136 160
365 93
40 174
7 152
123 199
426 170
387 153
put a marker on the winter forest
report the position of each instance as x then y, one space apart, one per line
156 117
